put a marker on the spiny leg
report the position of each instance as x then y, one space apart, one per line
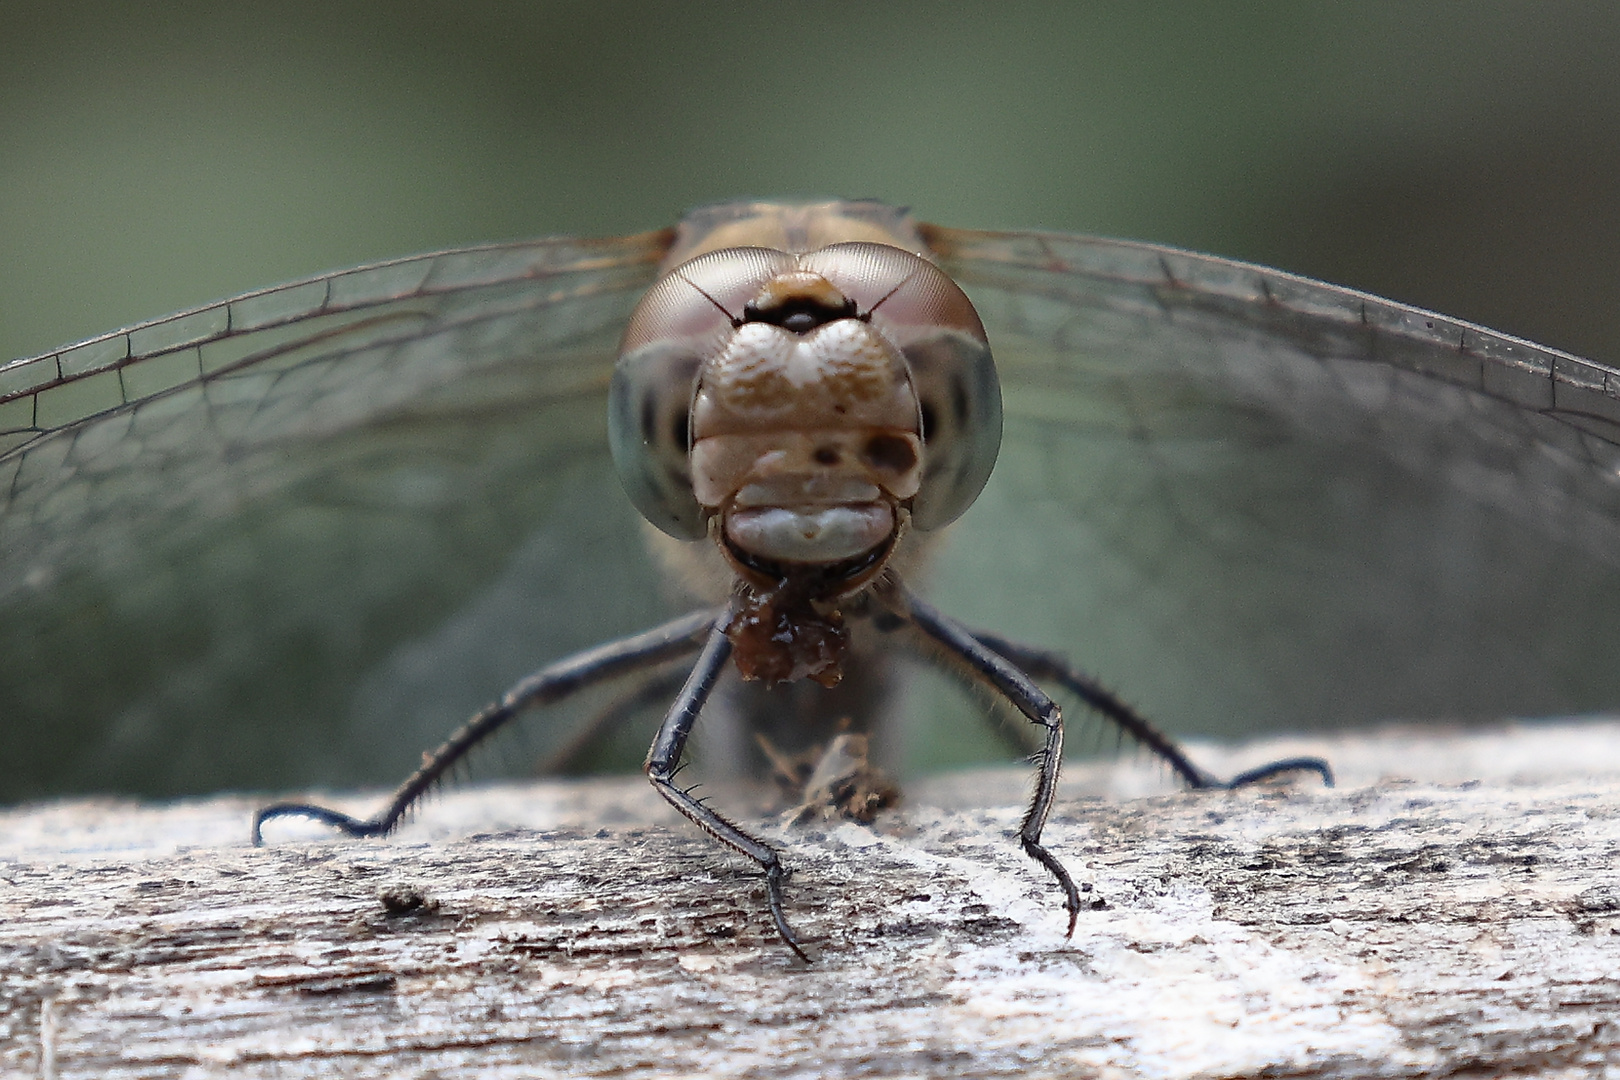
1018 688
1042 664
657 688
664 760
679 637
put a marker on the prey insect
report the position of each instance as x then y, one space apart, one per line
802 402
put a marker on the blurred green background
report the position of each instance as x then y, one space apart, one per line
1464 157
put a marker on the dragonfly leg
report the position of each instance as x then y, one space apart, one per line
1041 664
988 664
679 637
657 688
664 760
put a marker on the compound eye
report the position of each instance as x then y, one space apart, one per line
649 417
931 321
686 316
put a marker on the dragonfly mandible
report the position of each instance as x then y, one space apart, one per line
1281 499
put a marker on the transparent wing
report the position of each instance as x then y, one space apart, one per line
1247 499
338 514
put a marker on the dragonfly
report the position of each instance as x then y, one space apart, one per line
1258 496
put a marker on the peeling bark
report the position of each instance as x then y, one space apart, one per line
1453 908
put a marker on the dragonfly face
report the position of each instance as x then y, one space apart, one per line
340 511
803 410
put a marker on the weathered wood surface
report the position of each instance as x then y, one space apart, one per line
1452 909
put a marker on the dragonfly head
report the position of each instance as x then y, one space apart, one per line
804 410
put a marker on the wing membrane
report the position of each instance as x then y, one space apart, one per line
255 510
1248 499
341 513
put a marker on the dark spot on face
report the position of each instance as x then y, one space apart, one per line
889 452
680 431
959 402
929 418
826 455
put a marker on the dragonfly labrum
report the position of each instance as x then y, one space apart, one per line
1247 495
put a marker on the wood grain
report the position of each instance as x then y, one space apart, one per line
1453 908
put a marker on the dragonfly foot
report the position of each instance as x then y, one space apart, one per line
338 820
1261 773
774 875
1071 895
